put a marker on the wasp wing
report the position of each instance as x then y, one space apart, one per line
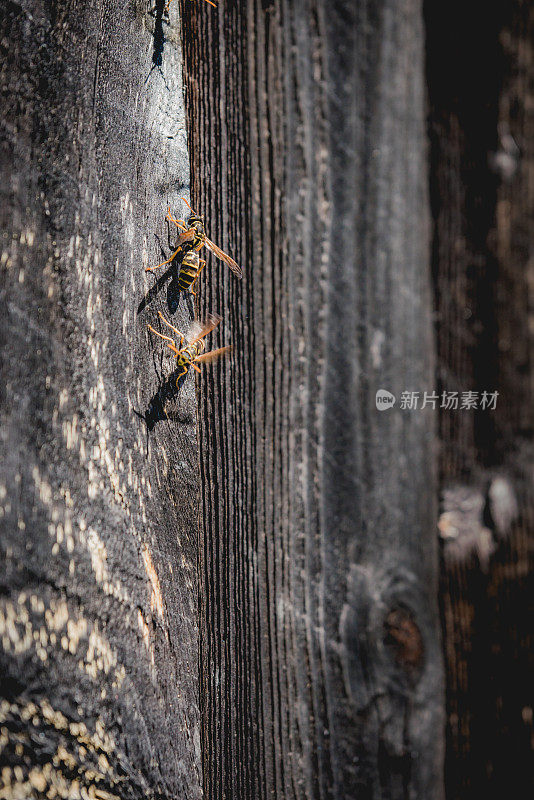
213 354
201 329
186 236
236 269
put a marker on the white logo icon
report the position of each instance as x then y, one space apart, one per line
384 399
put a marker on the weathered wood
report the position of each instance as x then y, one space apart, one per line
98 584
320 653
480 78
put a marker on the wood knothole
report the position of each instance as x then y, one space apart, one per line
382 627
403 637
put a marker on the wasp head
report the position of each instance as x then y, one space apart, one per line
195 219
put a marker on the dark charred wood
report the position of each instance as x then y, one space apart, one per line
480 78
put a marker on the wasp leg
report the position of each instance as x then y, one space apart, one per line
197 368
151 269
196 277
182 373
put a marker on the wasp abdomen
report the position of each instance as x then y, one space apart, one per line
186 277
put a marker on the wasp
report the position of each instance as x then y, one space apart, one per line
190 350
191 239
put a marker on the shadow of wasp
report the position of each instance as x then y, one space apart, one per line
173 290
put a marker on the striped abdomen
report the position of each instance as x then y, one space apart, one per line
187 275
188 270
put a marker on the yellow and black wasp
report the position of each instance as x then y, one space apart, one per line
191 239
190 350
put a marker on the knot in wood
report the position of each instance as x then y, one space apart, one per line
403 637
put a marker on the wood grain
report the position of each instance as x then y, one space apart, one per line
320 652
98 614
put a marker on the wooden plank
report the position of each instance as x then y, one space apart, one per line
482 125
98 645
320 652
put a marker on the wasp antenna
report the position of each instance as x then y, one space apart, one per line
187 204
